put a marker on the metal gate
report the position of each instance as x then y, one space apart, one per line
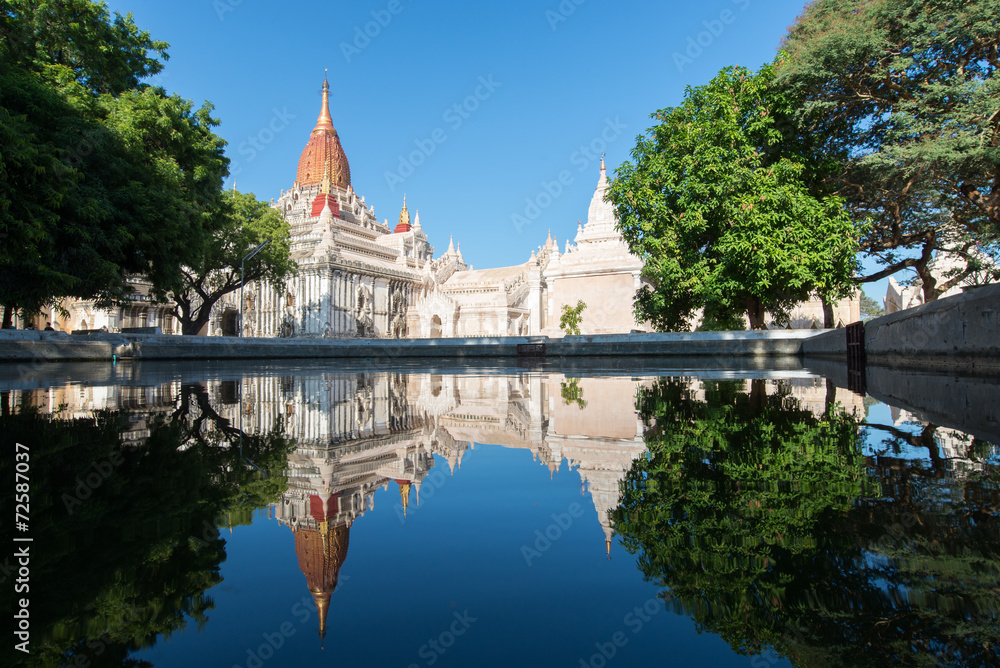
856 381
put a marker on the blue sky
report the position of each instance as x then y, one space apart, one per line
539 87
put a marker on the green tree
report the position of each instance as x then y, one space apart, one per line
101 176
870 308
908 96
769 526
572 316
158 500
239 224
726 209
572 393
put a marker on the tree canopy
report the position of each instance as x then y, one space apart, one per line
771 527
908 94
166 482
239 224
727 209
572 316
101 176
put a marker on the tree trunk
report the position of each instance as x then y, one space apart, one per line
8 317
755 311
927 440
192 323
930 284
758 395
191 326
828 321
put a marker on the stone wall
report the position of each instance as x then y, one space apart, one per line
969 404
963 329
721 346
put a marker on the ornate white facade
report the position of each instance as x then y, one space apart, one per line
357 277
360 277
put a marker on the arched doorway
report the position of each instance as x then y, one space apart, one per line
436 327
229 326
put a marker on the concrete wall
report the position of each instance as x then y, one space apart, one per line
831 344
952 399
963 329
967 403
723 346
960 329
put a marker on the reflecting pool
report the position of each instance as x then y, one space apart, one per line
302 514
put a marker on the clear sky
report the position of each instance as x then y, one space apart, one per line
469 109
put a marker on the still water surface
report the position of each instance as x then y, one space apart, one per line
294 516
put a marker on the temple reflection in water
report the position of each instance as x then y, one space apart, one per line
357 433
726 486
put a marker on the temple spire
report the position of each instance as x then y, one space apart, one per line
404 494
404 219
326 223
325 184
325 121
322 607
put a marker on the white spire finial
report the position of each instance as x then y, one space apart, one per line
326 222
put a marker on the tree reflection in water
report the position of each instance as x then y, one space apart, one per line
156 486
771 527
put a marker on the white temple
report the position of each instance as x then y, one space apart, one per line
359 278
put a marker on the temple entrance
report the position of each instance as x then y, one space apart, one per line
229 323
436 327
